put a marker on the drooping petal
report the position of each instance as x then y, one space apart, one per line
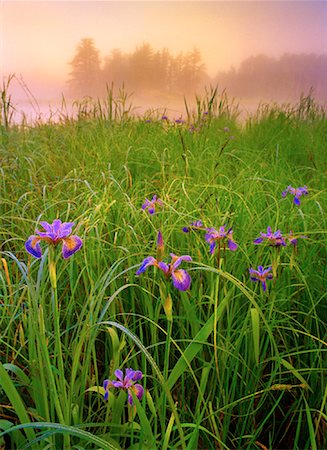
232 245
151 210
33 247
176 261
137 375
296 201
145 204
253 278
148 261
181 279
107 384
138 390
258 240
264 285
212 247
71 245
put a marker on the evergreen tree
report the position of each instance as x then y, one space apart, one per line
86 73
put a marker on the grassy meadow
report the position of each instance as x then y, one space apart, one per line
225 364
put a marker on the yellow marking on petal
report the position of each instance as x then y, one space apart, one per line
70 242
179 275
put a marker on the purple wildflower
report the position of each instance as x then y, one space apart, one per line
275 239
164 118
293 240
181 279
297 192
262 275
197 224
180 120
150 205
213 237
127 383
54 234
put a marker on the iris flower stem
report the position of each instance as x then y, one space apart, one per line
218 256
56 323
167 355
215 331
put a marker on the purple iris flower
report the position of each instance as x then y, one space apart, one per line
297 192
164 118
213 237
275 239
150 205
55 233
127 383
180 120
293 240
181 278
262 275
197 224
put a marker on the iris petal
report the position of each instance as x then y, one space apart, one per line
137 375
178 261
232 245
181 279
148 261
71 245
164 267
47 226
65 229
119 374
56 226
33 247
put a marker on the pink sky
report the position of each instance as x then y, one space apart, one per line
38 39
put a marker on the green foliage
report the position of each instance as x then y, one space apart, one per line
225 365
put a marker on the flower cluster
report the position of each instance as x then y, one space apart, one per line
216 237
55 233
126 383
181 279
261 275
297 192
150 205
276 239
61 233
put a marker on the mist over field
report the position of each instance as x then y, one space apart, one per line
162 52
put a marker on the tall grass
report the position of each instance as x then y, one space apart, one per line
231 367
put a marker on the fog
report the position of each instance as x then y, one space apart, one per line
163 51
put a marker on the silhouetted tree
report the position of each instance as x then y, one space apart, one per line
85 75
116 68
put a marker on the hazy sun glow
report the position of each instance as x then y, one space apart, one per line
38 39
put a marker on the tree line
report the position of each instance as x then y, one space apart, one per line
149 70
277 78
143 69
